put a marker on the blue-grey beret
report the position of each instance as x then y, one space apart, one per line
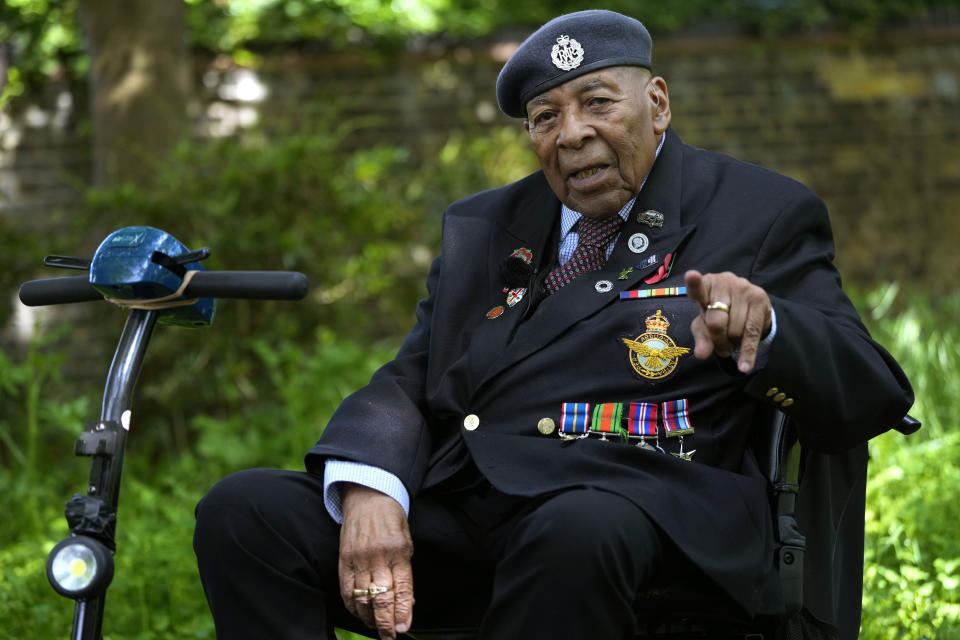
566 47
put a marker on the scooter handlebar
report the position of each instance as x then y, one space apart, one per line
37 293
251 285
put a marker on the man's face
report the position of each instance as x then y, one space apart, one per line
596 136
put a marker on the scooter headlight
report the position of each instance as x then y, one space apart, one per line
79 567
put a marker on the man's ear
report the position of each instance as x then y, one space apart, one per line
659 104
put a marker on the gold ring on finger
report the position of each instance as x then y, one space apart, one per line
371 592
716 305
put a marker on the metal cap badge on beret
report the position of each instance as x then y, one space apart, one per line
567 47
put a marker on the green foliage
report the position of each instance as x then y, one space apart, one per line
372 22
45 34
26 382
912 551
44 37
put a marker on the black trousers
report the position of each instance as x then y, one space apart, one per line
563 566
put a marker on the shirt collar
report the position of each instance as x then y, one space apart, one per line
569 217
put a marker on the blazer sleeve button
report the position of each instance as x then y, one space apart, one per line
787 402
772 391
779 397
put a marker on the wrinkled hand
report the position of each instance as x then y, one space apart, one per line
719 331
375 547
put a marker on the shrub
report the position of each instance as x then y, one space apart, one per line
912 551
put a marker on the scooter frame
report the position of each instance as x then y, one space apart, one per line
93 515
106 467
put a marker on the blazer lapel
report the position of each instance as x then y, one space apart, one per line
534 227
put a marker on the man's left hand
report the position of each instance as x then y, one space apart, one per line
734 314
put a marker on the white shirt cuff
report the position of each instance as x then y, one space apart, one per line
336 472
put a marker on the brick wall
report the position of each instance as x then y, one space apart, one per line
872 125
44 155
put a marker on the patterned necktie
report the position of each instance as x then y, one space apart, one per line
594 237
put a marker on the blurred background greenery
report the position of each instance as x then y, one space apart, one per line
317 189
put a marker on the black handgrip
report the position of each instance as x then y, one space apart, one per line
252 285
37 293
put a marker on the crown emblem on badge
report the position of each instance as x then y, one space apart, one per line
657 323
567 54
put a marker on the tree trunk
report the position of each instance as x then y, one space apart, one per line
139 84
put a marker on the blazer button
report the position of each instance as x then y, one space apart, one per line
471 422
779 397
787 402
546 426
772 391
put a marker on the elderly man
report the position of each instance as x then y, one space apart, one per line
568 422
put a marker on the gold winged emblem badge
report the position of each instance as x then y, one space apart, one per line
654 354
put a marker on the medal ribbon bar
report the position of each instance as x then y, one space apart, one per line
575 418
642 419
607 417
676 418
660 292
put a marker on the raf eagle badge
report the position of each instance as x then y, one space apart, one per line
654 354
